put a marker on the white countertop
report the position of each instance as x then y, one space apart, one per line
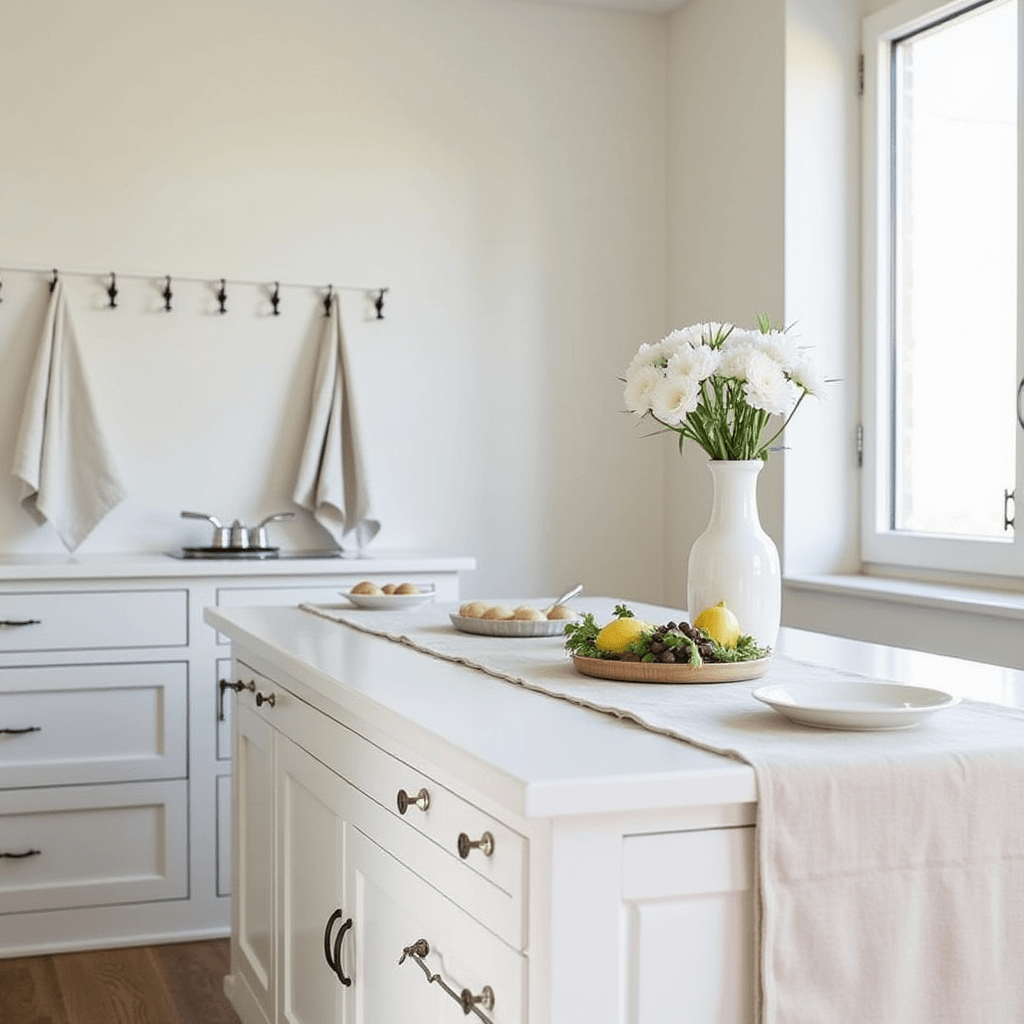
535 754
162 564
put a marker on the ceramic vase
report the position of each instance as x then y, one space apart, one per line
734 560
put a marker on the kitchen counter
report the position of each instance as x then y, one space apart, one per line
159 565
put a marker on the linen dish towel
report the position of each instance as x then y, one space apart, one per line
331 481
890 865
68 473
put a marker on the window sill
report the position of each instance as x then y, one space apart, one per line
961 621
948 597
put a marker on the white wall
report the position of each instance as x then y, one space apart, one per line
726 215
500 166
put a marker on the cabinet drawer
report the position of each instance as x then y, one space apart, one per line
64 724
394 910
83 846
381 776
89 620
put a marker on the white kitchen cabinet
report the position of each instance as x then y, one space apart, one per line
578 911
115 738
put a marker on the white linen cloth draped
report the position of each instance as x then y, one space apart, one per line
890 865
68 472
331 481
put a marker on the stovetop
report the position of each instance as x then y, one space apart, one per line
250 554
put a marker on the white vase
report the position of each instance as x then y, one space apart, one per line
734 560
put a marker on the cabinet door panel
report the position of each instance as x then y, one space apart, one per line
392 908
690 926
253 874
310 816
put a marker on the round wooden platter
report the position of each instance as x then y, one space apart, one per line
657 672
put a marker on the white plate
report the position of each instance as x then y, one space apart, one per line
379 602
510 627
855 705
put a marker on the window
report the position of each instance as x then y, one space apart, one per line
943 355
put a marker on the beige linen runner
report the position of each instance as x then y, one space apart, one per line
890 864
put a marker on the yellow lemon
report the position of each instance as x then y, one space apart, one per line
720 624
616 637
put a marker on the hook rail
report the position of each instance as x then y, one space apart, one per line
377 292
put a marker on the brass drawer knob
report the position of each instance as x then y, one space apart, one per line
265 698
485 844
420 800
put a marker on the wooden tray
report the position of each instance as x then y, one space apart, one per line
657 672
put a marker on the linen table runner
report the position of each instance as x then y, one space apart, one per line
890 865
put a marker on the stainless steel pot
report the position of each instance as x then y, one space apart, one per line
238 537
221 534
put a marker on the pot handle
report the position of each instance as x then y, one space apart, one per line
202 515
278 515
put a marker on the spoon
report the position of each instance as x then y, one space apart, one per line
567 596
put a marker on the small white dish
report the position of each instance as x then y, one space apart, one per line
384 602
854 705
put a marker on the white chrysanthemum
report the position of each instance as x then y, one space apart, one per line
640 382
780 347
700 362
674 397
767 387
807 375
736 354
646 355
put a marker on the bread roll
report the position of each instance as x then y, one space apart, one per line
389 588
498 611
527 614
473 609
366 587
562 611
407 588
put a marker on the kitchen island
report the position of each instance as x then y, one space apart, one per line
416 838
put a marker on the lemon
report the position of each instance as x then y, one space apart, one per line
720 624
616 637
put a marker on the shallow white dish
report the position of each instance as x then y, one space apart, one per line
855 705
383 602
510 627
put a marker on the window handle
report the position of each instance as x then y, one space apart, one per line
1009 502
1020 408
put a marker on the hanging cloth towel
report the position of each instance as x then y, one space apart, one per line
61 456
331 481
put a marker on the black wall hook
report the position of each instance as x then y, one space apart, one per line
275 298
222 296
379 303
327 300
53 280
167 293
112 290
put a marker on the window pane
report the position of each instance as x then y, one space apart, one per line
955 276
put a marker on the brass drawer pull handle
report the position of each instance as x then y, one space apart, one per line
469 1002
19 732
420 800
485 844
238 686
265 698
20 622
21 856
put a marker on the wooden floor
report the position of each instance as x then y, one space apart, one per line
176 984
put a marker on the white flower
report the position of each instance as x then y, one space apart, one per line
640 382
674 397
807 375
780 347
767 387
700 362
736 354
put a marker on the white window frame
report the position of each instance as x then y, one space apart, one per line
880 545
